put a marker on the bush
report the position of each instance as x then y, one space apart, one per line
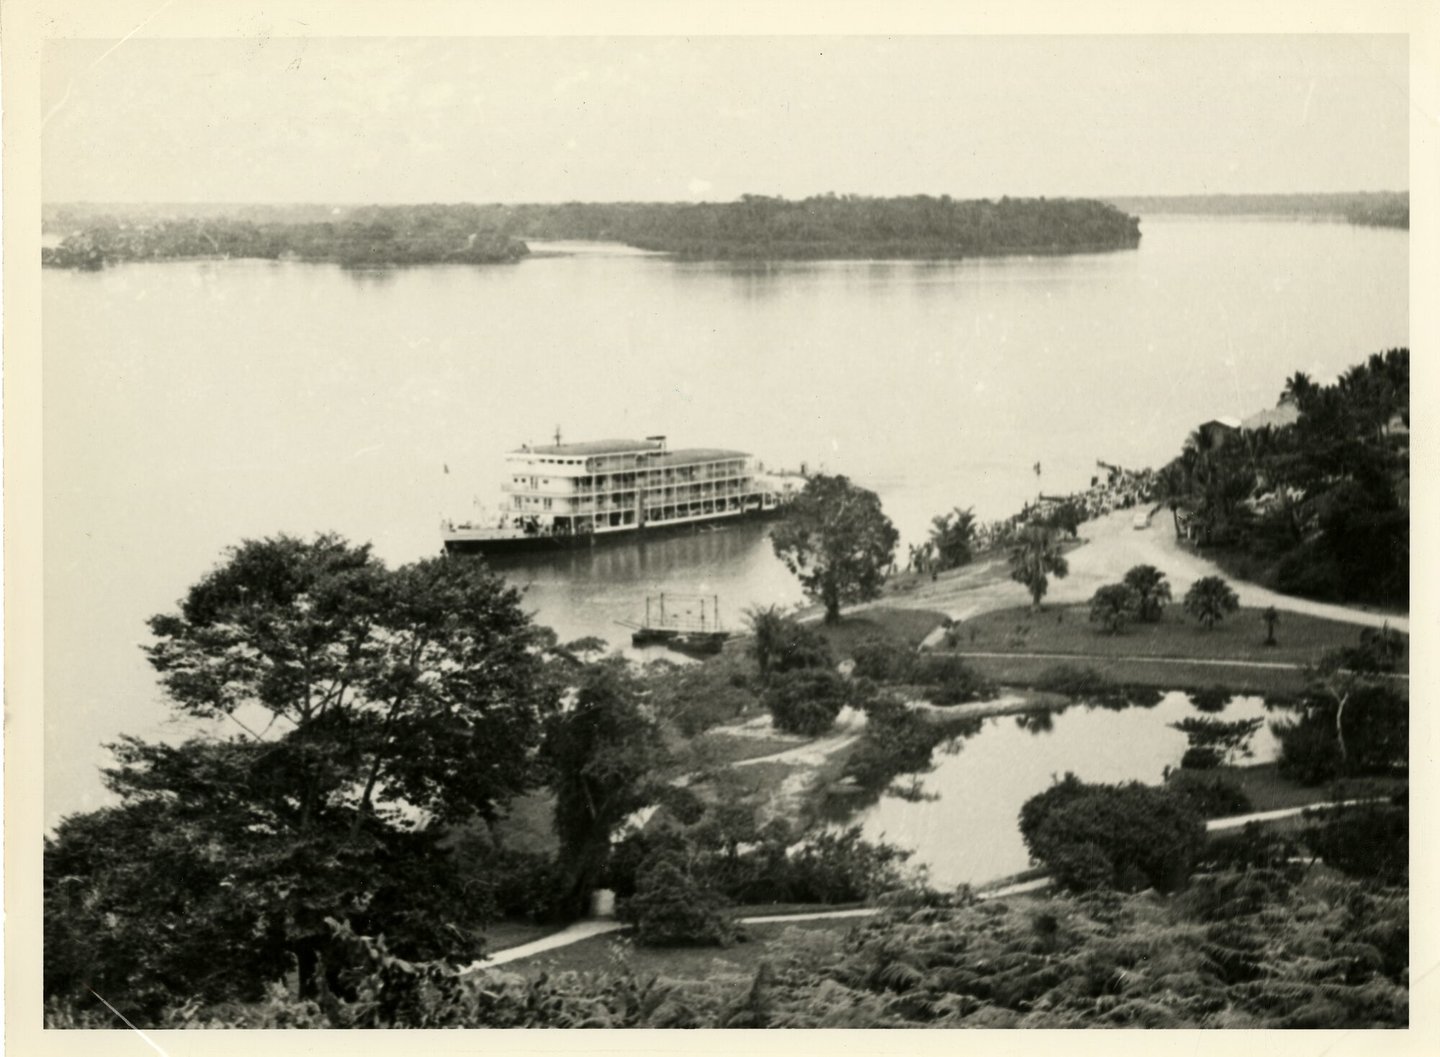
807 701
1199 758
1211 698
900 741
1124 837
885 661
1113 606
1377 736
959 684
671 907
1211 795
781 644
1370 841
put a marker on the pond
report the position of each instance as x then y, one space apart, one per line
965 830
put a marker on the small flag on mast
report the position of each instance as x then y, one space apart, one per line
1037 469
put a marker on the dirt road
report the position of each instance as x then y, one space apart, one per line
1111 547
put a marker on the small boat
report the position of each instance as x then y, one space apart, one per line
688 624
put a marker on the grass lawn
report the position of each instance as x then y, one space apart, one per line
1267 791
716 748
505 934
1240 636
1162 675
681 963
909 626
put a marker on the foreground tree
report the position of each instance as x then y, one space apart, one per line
1209 600
1034 558
603 754
373 708
1152 589
838 541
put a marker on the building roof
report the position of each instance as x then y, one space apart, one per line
1276 417
1226 421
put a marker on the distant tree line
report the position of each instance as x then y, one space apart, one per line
399 239
756 227
1389 209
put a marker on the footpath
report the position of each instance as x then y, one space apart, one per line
584 930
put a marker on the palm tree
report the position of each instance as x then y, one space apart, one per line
953 537
1209 599
1034 557
1114 605
1271 616
1298 388
1153 590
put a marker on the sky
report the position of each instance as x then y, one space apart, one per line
526 119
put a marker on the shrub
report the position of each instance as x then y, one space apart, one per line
806 701
1377 735
885 661
1209 599
780 644
1199 758
1114 836
1152 589
1370 841
1211 698
1113 606
1211 795
671 907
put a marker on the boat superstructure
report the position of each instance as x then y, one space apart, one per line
560 495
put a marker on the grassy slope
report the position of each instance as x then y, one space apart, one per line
1067 630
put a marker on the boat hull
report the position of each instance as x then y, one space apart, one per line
460 543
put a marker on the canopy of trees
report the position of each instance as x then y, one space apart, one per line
838 541
371 707
757 226
1320 507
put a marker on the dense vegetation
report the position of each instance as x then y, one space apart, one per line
1374 208
400 237
756 227
1252 943
1319 507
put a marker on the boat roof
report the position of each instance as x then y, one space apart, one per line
684 455
591 447
626 447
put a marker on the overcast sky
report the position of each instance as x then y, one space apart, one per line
528 119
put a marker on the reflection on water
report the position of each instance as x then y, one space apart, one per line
962 818
594 591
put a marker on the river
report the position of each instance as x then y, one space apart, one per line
191 404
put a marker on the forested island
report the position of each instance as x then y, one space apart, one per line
757 227
1386 209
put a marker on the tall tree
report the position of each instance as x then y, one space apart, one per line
1034 558
838 541
604 754
372 706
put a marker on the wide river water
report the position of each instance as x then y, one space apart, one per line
192 404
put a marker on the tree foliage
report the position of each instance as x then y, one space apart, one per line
1124 837
837 540
603 755
1034 558
1152 589
953 538
806 701
1210 599
372 707
1113 606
